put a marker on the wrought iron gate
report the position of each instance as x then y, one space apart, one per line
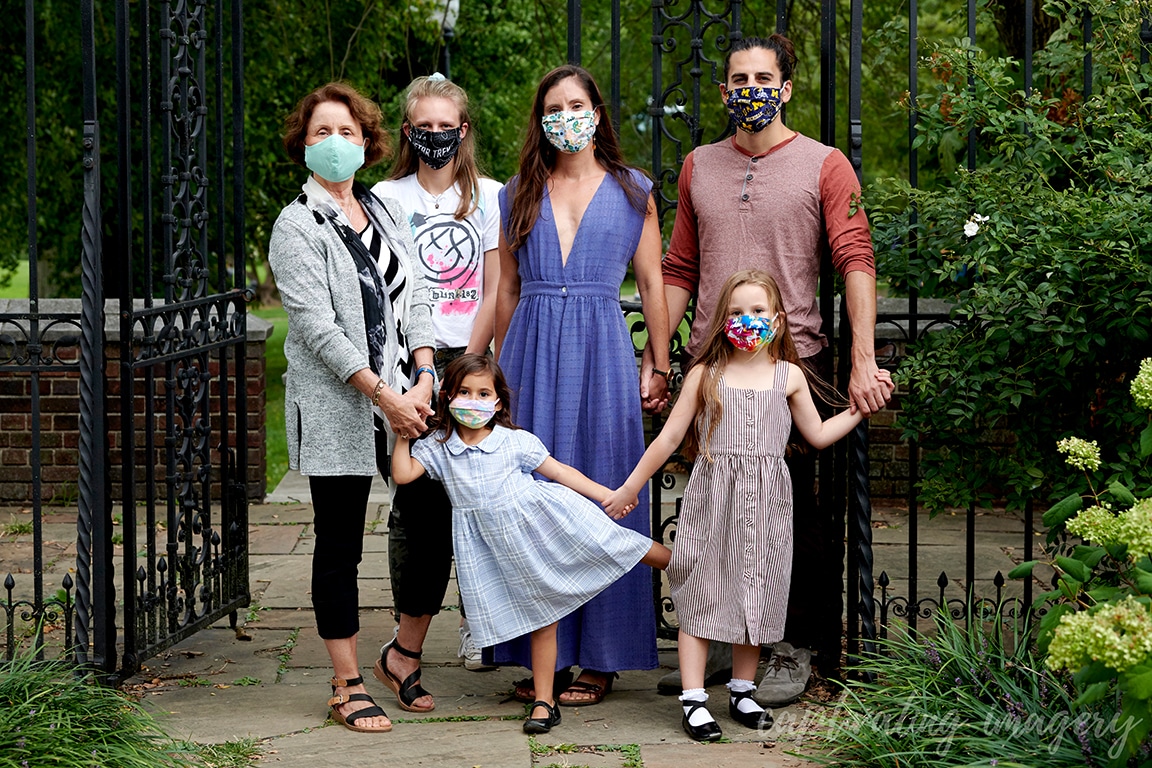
689 39
162 395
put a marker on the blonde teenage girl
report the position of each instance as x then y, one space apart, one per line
455 222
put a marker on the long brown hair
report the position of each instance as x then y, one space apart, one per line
717 350
454 374
467 176
538 158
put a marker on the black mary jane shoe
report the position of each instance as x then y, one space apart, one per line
761 720
542 724
708 731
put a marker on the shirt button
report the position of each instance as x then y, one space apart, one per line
748 177
744 197
755 159
564 289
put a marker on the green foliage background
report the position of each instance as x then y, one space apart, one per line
499 53
1053 294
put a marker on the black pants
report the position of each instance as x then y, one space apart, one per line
815 598
339 506
419 541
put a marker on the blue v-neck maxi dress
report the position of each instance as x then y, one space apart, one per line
571 366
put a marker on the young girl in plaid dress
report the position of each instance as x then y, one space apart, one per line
527 552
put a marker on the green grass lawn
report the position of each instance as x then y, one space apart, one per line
275 364
17 287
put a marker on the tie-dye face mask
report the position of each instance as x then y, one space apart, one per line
750 333
472 413
754 108
569 131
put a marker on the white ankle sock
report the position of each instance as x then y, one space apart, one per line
746 704
701 715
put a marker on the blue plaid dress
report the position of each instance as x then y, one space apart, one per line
528 552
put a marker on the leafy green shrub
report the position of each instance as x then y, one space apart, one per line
1045 250
1099 619
49 717
963 698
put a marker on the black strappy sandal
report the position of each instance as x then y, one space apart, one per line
349 720
542 724
407 691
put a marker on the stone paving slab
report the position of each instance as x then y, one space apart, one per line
694 755
444 745
273 539
286 710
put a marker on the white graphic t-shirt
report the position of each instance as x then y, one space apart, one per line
451 252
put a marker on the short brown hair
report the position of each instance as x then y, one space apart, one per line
364 111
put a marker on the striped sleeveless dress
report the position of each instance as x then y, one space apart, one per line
732 558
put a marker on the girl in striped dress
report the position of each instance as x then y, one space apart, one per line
730 566
527 552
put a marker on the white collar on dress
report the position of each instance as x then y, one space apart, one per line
490 444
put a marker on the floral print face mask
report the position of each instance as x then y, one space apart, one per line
569 131
751 333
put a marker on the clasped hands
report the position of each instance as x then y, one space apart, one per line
620 502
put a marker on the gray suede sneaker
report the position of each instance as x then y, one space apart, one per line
786 677
717 669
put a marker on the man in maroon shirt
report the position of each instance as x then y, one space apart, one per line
770 198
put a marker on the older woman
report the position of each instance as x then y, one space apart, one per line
359 341
574 218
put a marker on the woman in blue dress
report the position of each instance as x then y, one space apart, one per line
573 219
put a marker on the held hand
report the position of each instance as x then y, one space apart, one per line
868 389
406 414
620 502
653 389
657 399
884 379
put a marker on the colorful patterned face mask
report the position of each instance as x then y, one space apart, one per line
754 108
569 131
473 413
750 333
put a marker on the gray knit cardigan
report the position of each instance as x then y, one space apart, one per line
329 422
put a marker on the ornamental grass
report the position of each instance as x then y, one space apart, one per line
962 697
51 717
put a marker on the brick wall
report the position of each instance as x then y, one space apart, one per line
59 418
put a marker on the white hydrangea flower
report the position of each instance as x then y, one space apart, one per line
1096 524
1082 454
1134 528
1142 385
1118 634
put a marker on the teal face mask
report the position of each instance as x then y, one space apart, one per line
334 159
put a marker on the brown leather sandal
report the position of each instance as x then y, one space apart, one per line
594 690
525 690
349 720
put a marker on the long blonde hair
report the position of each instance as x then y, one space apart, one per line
717 350
467 175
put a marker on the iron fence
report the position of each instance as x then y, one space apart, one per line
688 42
161 387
